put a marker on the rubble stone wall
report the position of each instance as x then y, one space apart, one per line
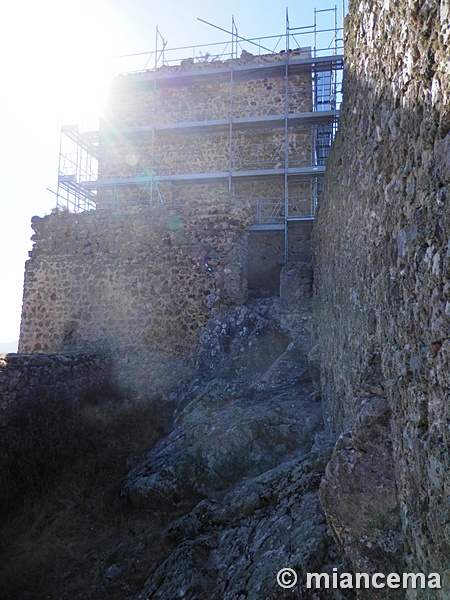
150 99
266 255
176 153
33 378
137 279
204 100
136 283
382 284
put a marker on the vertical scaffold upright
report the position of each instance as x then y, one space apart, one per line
159 57
234 43
286 145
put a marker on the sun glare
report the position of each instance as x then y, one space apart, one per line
83 89
84 70
58 55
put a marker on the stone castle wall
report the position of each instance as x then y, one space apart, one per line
146 100
176 153
204 100
382 290
135 283
266 255
138 278
27 380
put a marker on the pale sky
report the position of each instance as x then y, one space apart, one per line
55 59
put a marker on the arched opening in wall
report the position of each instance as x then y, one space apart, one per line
266 255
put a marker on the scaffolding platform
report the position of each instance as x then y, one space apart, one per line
79 181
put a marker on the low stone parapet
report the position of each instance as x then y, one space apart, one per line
29 379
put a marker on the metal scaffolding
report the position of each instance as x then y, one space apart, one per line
78 164
280 158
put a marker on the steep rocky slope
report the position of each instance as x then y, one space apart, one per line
210 502
238 477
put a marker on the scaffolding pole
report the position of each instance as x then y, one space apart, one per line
234 42
286 148
152 159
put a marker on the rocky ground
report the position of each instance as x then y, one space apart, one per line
227 497
235 483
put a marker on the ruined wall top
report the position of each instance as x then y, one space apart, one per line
207 62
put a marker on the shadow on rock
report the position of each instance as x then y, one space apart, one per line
243 465
250 407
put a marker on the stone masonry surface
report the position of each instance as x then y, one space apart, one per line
135 284
382 289
145 101
206 101
137 279
33 378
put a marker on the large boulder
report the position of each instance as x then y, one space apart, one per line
250 407
242 466
359 496
233 548
224 435
240 345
